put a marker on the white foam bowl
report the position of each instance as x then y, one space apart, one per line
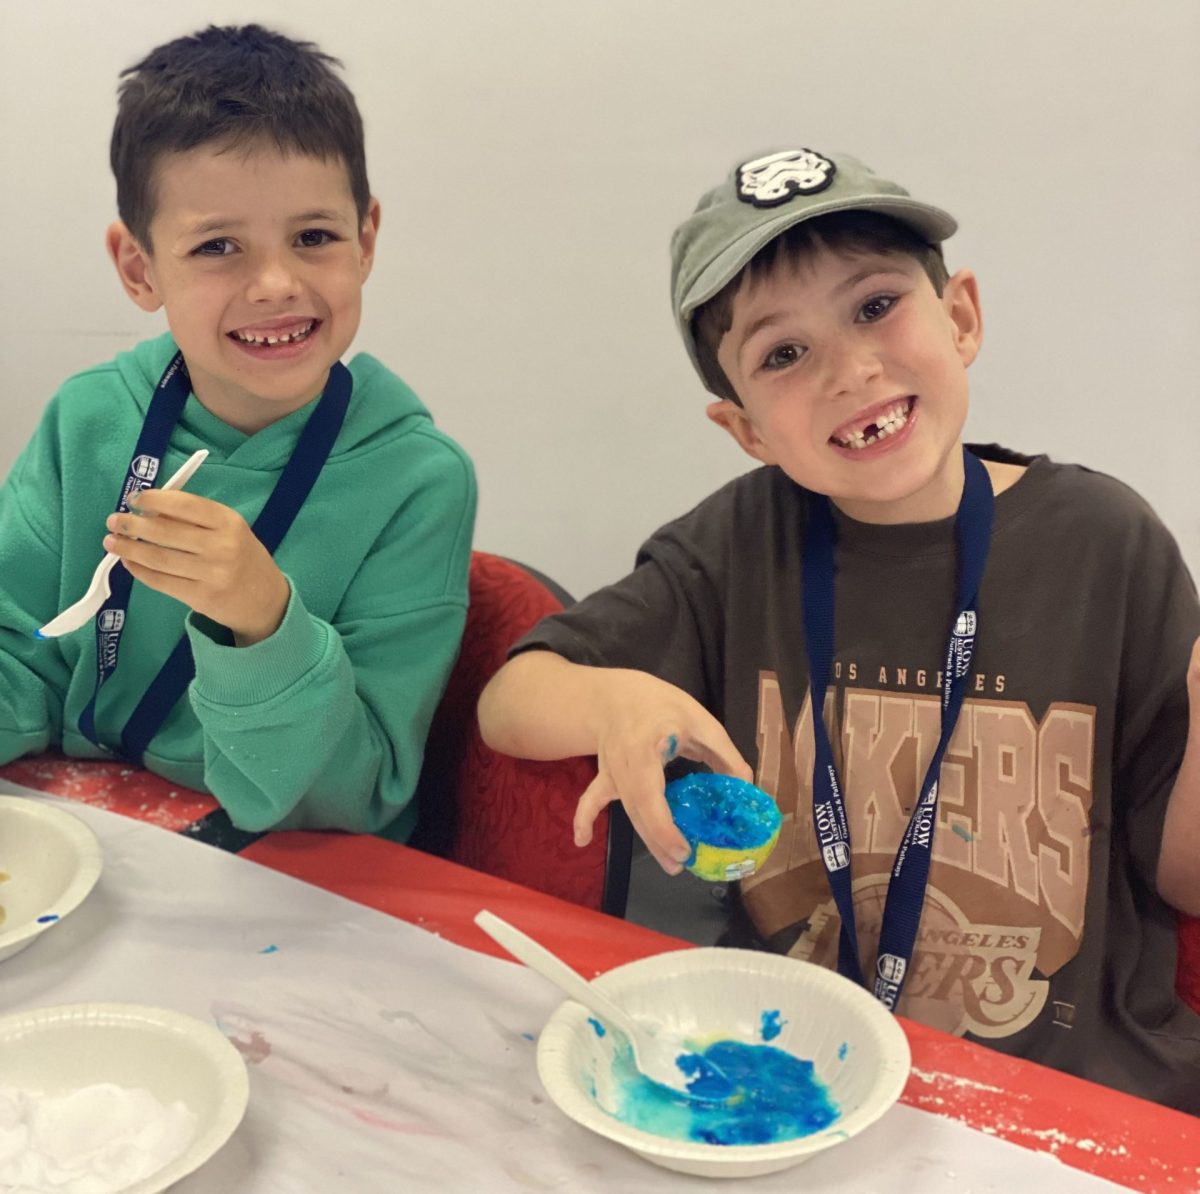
858 1049
54 1051
52 861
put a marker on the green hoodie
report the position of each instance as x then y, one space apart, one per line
323 724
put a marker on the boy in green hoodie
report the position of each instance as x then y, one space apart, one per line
280 632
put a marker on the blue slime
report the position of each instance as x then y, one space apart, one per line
772 1025
761 1096
722 811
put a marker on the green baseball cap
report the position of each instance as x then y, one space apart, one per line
763 197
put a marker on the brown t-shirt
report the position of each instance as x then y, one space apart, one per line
1042 933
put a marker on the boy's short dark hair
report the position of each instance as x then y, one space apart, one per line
233 86
843 232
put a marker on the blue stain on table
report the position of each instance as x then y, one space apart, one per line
722 811
48 919
765 1095
843 1049
597 1027
271 949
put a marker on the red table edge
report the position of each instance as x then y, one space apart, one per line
1113 1135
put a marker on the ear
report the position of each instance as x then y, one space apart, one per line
367 235
133 266
733 419
961 300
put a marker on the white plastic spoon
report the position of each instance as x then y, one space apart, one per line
99 590
654 1056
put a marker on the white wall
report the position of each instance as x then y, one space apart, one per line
532 158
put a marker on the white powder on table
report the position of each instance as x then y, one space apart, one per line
95 1140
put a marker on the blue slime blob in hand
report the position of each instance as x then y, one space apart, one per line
730 825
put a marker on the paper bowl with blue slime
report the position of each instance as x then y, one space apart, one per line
804 1060
731 825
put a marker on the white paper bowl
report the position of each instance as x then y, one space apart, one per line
54 1051
52 861
858 1049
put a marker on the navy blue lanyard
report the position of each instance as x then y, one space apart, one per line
293 487
910 871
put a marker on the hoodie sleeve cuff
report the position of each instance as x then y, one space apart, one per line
229 675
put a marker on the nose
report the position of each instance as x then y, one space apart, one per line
852 363
272 279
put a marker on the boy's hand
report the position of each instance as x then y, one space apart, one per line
644 724
203 554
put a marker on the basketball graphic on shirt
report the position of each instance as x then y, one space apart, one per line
1004 909
963 976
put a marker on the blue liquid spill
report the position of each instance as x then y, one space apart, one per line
772 1025
722 811
597 1027
765 1095
843 1049
48 919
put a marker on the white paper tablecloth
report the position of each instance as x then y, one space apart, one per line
383 1058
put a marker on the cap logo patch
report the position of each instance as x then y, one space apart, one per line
770 181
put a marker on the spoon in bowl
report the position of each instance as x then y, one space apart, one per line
657 1057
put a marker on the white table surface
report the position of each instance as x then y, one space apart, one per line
383 1058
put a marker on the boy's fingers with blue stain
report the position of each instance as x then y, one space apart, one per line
640 790
638 723
634 775
711 745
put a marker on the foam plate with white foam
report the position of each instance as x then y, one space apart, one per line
53 1052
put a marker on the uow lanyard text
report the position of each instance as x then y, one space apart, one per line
910 871
293 487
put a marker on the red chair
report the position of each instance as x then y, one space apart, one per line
511 817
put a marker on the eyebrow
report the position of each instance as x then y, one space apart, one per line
221 224
757 326
869 272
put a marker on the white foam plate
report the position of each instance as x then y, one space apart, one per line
51 860
858 1049
54 1051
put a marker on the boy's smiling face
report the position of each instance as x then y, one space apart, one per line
248 247
852 374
